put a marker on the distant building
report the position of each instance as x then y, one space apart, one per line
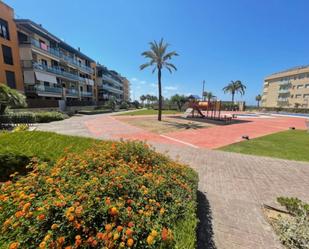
52 69
289 88
10 71
111 84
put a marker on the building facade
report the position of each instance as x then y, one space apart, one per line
126 89
289 88
10 70
52 69
110 84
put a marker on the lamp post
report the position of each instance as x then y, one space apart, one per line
203 98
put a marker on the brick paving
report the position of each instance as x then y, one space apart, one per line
233 185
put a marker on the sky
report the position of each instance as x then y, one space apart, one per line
217 41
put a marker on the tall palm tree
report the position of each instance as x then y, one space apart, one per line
143 98
235 87
158 59
258 99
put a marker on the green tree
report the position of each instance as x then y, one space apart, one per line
10 98
258 98
179 100
208 96
235 87
143 98
158 59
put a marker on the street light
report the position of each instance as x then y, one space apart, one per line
203 98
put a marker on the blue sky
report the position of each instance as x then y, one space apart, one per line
218 41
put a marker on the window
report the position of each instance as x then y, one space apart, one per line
10 79
46 83
7 55
4 29
300 86
297 96
44 62
307 86
306 96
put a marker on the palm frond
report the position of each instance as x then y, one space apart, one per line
143 66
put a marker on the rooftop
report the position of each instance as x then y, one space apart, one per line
289 70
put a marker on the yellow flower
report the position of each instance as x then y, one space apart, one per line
116 236
150 240
54 226
154 233
122 244
42 245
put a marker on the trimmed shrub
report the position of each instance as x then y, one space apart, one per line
113 195
31 117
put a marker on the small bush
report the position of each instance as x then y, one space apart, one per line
114 195
31 117
124 105
293 231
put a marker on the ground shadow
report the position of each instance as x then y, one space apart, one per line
204 230
214 121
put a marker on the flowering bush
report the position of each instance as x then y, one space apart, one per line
114 195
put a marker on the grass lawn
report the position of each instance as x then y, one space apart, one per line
291 145
148 112
44 145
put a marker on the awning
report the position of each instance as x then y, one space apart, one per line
45 77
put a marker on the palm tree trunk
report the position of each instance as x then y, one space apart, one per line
258 104
233 98
160 95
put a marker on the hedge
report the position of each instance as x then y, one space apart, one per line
114 195
31 117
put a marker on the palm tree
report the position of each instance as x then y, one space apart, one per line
258 99
10 98
158 59
235 87
209 96
143 98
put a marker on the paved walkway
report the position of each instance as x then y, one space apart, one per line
234 185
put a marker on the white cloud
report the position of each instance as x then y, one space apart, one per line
134 79
170 88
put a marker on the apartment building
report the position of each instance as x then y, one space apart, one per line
109 84
126 89
289 88
52 69
10 71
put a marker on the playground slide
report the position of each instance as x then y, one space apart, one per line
195 107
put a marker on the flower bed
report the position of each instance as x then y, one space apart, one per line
117 195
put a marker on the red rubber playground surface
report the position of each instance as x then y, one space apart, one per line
212 138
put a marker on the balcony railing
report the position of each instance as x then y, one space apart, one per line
284 90
56 52
72 92
110 88
55 70
112 80
86 94
44 89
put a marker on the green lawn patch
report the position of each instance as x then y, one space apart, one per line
291 145
148 112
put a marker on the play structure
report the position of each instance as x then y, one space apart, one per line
207 109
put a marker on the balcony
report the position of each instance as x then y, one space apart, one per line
44 89
110 88
55 70
86 94
56 52
71 92
284 90
111 80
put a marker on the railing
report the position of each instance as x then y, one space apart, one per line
86 94
72 92
55 70
110 88
284 90
56 52
42 88
110 79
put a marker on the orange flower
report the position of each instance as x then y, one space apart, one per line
14 245
113 211
79 211
100 236
164 233
61 240
19 214
150 240
130 242
119 229
54 226
41 217
129 232
26 206
94 243
108 227
42 245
